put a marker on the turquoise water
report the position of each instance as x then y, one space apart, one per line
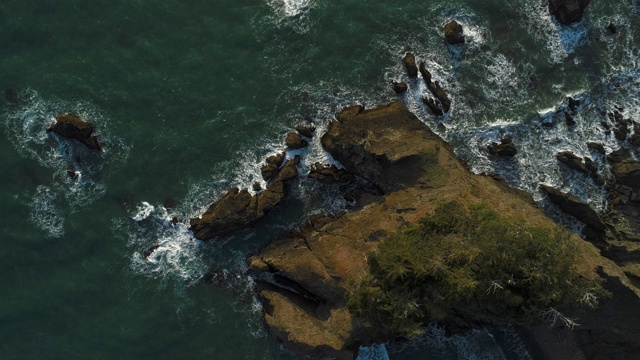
189 96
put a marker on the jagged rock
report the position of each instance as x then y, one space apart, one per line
409 61
71 127
574 206
568 11
272 166
238 209
150 251
573 103
635 138
256 186
433 106
505 148
618 156
596 146
400 87
11 95
454 33
306 130
612 28
73 175
627 172
572 161
349 112
329 173
295 141
568 119
436 90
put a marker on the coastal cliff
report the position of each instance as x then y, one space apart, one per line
307 279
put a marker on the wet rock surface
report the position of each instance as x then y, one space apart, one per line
400 87
72 127
454 33
330 174
409 61
294 141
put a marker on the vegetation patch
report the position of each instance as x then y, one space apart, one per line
470 258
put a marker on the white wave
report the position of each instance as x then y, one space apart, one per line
166 249
560 40
45 213
293 13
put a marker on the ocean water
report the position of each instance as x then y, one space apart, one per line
189 96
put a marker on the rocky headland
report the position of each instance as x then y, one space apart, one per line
306 279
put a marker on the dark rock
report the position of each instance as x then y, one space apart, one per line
572 161
568 11
175 220
620 132
150 251
11 95
400 87
426 75
238 209
349 112
454 33
618 156
568 119
306 130
591 165
72 174
635 138
270 169
627 172
409 61
296 160
505 148
256 186
574 206
329 174
573 103
295 141
596 146
612 28
433 106
71 127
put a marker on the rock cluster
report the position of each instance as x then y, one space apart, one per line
505 148
72 127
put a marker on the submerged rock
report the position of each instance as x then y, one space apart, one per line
505 148
454 33
71 127
11 95
409 61
568 11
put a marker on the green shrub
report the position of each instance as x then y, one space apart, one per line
467 256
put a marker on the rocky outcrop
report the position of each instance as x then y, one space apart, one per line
409 61
238 209
505 148
400 87
576 207
330 174
572 161
444 102
306 130
294 141
272 166
305 277
568 11
72 127
454 33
